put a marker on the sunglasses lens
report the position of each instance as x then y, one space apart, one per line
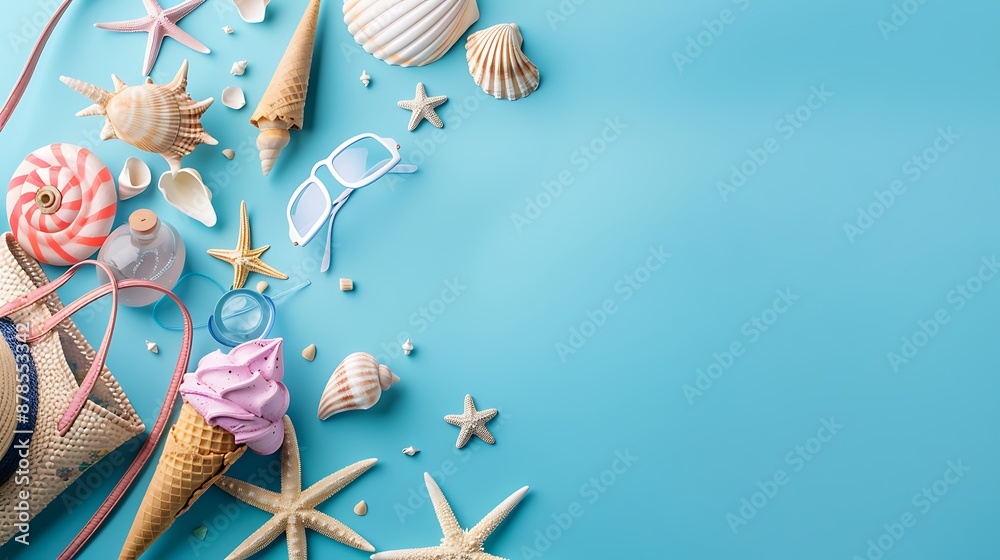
365 159
309 208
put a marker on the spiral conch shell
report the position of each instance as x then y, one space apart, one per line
162 119
356 384
61 204
497 63
409 32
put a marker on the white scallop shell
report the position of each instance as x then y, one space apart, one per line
185 191
252 11
233 97
134 178
409 32
497 63
356 384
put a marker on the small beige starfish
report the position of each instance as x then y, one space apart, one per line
244 259
473 423
294 509
423 108
457 543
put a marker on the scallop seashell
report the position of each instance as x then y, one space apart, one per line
497 63
233 97
409 32
185 191
134 178
162 119
61 204
252 11
356 384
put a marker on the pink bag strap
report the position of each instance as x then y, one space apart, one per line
29 67
80 398
38 294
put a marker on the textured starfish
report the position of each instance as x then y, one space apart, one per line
457 544
159 23
473 423
423 107
294 509
244 259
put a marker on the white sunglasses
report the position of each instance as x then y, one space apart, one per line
356 163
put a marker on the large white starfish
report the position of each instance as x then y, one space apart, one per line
294 509
457 543
158 24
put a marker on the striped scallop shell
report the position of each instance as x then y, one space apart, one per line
61 204
497 63
409 32
356 384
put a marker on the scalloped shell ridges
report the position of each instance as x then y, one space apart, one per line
497 63
409 32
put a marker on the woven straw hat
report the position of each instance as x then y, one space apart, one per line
8 396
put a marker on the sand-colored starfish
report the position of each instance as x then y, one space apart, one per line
423 108
457 543
244 259
294 509
159 23
473 423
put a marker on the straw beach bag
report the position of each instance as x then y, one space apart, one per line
67 410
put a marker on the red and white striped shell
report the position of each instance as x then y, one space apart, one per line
61 204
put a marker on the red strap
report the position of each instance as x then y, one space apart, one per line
161 420
29 67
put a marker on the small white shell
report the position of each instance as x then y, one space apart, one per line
252 11
233 97
346 284
407 347
365 78
356 384
229 153
409 32
134 178
152 347
411 451
228 30
497 63
239 67
185 191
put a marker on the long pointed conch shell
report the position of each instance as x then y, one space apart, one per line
497 63
133 179
283 104
356 384
162 119
185 191
409 32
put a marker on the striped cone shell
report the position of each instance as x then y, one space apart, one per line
61 204
356 384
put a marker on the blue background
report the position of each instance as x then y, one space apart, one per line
624 386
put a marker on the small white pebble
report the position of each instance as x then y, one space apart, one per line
261 286
361 508
407 347
346 284
411 451
152 347
228 30
229 153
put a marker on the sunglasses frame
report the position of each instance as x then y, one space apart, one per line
388 143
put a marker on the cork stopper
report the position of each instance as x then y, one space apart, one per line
143 221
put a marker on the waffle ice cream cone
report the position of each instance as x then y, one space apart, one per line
282 107
194 457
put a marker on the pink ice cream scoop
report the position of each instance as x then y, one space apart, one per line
242 393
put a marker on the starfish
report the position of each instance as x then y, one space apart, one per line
473 423
158 24
423 108
294 509
456 544
243 258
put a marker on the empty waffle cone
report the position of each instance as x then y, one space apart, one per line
194 456
282 107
